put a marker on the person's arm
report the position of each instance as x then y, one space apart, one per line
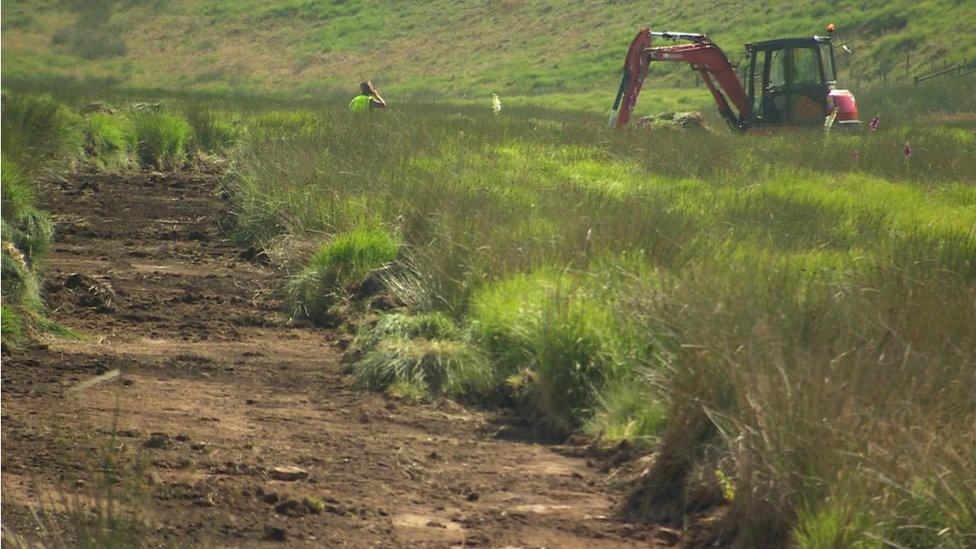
376 101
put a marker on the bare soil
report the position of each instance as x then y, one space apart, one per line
228 425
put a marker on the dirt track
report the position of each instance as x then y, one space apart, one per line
217 390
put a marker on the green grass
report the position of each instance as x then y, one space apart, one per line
162 137
399 325
212 130
39 132
426 366
785 319
417 357
627 409
776 308
40 137
110 140
13 330
556 343
338 265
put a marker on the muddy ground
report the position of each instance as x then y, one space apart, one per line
230 426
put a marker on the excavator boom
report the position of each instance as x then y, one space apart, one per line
702 54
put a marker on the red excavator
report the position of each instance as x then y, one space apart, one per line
788 82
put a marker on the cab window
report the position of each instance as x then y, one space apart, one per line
828 62
777 69
806 69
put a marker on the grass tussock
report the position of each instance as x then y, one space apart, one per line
40 137
430 366
416 357
110 140
12 328
213 130
554 343
343 262
163 138
39 133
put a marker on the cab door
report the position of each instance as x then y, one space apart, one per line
794 90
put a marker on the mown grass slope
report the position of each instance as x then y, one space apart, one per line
441 48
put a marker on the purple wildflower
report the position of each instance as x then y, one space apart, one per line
873 124
908 151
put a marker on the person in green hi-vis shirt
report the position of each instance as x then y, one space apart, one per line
367 100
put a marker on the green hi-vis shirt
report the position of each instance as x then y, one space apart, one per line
360 103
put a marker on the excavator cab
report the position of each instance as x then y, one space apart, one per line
789 81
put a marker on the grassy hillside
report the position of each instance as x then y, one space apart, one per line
440 47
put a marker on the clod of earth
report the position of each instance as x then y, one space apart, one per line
274 533
92 293
673 121
256 255
291 508
156 440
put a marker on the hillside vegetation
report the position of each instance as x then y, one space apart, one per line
441 47
784 319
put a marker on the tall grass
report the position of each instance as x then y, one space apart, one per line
338 265
110 140
163 137
41 137
421 356
39 133
780 316
212 129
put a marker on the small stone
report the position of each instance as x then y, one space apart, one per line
79 483
274 533
287 473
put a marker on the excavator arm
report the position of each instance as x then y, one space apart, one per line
702 54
